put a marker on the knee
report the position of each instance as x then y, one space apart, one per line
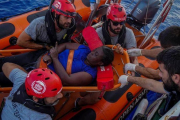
4 66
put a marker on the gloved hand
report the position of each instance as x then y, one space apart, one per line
129 67
123 80
134 52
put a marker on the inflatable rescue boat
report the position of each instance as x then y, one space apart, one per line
117 102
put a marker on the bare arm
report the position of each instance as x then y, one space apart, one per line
149 84
151 53
60 48
75 79
8 67
148 72
70 46
25 41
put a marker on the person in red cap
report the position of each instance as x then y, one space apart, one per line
33 95
56 26
114 31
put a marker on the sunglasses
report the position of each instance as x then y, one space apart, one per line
117 23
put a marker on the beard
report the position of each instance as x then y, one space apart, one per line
66 25
115 31
170 85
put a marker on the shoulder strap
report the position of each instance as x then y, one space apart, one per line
69 61
106 34
67 36
121 37
50 27
20 96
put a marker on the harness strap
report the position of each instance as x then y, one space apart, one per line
69 61
42 64
2 105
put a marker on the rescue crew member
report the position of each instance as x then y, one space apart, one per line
56 26
33 95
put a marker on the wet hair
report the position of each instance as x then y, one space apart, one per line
170 57
108 56
170 37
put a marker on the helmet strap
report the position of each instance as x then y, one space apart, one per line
57 21
110 27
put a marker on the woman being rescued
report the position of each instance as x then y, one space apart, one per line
84 62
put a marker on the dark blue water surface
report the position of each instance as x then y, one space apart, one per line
172 18
13 7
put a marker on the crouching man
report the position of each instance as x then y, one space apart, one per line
33 95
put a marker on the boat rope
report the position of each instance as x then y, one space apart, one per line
115 71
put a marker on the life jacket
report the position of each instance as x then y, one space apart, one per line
20 96
121 36
51 31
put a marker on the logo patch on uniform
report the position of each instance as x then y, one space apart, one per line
38 87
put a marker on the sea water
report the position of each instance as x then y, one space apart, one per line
14 7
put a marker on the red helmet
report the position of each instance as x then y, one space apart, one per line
64 7
43 83
116 12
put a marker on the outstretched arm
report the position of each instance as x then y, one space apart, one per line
147 72
151 53
143 52
149 84
70 46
